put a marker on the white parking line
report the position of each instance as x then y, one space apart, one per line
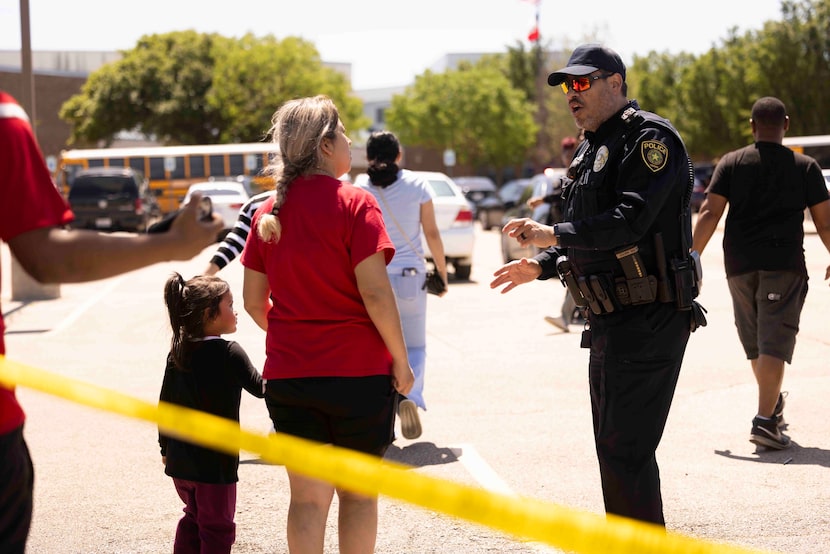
480 469
77 312
487 477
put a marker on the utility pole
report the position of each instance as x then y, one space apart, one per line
24 287
27 73
542 154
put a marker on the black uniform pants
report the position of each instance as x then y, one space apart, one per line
634 365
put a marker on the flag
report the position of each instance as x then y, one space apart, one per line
533 35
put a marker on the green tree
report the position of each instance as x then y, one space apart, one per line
794 61
528 70
157 88
255 76
473 110
191 88
709 97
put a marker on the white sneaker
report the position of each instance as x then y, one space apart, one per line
410 422
558 322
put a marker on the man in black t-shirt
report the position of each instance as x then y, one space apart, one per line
767 187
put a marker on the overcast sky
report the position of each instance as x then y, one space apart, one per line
388 42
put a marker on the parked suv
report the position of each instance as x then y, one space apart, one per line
112 199
483 194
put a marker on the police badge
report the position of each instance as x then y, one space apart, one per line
655 154
601 158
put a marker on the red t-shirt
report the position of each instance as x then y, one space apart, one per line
319 326
28 200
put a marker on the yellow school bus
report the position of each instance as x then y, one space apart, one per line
172 169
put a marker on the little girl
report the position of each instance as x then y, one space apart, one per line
207 373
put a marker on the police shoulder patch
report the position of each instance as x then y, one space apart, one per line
655 154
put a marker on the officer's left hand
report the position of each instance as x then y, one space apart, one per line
530 232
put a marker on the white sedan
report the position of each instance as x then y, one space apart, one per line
227 197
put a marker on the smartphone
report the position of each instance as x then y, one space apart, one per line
204 213
205 209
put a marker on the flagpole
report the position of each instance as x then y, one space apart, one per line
542 150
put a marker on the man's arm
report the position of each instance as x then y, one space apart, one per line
821 218
707 220
56 255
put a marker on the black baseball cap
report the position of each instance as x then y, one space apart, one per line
587 59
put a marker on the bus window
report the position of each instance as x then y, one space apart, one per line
116 162
96 162
197 166
137 164
179 172
67 176
235 164
157 169
217 165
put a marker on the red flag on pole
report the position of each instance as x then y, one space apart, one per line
533 36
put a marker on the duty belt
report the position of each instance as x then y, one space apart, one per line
604 293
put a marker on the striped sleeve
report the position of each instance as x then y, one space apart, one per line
234 241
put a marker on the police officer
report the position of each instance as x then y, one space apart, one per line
623 250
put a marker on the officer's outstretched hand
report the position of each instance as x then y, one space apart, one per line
516 273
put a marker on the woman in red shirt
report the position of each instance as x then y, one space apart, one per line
316 282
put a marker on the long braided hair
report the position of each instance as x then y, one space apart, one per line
190 304
298 128
382 150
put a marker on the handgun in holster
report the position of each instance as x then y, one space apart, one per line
642 288
563 267
684 282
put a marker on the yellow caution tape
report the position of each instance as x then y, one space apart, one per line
526 518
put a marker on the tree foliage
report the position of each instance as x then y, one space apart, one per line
709 97
191 88
256 76
473 110
186 87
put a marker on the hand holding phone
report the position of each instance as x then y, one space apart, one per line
205 209
204 212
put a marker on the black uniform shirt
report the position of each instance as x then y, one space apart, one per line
630 178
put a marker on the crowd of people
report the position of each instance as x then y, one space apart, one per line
345 328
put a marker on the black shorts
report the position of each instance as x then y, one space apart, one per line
350 412
767 307
16 491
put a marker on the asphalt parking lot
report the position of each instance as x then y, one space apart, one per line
508 411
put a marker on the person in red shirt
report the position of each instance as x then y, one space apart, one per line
315 280
32 218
